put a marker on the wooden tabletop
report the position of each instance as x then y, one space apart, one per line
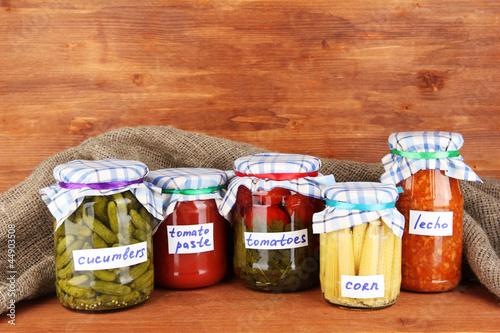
230 307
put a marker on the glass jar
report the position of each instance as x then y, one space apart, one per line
432 203
275 249
427 166
103 248
177 266
271 201
190 244
104 257
360 245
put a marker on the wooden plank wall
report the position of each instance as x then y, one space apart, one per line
326 78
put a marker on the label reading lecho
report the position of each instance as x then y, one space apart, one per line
431 223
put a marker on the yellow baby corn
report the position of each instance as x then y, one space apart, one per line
364 250
331 276
385 259
369 256
358 234
346 252
396 270
322 256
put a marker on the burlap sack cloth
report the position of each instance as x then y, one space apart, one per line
166 147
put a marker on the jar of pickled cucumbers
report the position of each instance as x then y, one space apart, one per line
190 246
104 220
360 245
272 199
428 167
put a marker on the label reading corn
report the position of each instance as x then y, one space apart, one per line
431 223
276 240
371 286
183 239
110 257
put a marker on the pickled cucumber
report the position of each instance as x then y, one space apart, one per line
100 229
75 291
67 271
105 275
102 222
64 243
137 220
143 281
113 216
110 288
138 269
140 235
101 208
78 280
76 229
65 257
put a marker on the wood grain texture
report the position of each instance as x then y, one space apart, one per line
229 307
330 79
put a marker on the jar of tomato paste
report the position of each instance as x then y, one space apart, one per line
428 166
104 219
360 245
190 245
272 199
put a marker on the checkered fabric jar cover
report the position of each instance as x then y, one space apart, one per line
81 178
188 184
266 171
414 151
353 203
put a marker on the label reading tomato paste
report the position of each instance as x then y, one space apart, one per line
110 257
431 223
276 240
184 239
370 286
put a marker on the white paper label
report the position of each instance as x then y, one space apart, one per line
371 286
276 240
183 239
110 257
431 223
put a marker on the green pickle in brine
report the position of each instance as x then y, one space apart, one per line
104 222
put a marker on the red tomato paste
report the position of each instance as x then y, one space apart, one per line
197 255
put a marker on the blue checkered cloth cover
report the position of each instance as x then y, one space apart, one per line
188 178
398 168
62 202
275 163
363 193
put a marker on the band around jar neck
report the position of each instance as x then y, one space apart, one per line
355 206
279 176
100 186
426 155
193 191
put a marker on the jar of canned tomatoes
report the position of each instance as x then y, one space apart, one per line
272 199
190 245
360 245
428 168
104 219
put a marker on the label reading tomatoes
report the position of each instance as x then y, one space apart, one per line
276 240
184 239
431 223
